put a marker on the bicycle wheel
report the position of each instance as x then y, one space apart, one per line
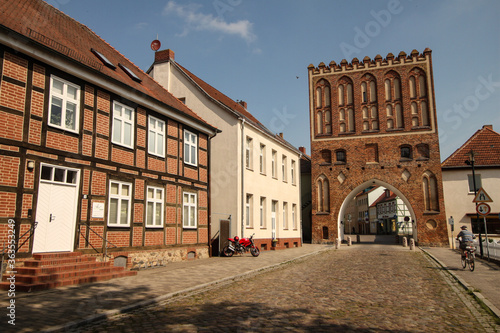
471 262
464 261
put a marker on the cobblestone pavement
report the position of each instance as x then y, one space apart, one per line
362 289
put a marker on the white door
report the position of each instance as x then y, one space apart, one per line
56 209
273 218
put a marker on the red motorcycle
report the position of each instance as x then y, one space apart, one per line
240 245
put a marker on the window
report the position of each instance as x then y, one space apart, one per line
406 152
60 175
429 184
190 148
274 165
340 155
120 198
123 125
262 212
129 73
326 156
64 104
262 159
189 208
154 208
471 182
292 170
156 137
285 215
248 211
248 154
294 216
323 191
283 168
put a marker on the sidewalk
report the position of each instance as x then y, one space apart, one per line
55 309
483 282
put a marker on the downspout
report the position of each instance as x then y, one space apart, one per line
209 196
242 176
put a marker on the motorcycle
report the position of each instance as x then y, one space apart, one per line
237 245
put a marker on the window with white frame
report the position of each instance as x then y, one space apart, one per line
262 212
285 215
64 108
248 211
292 170
249 153
154 207
189 204
120 198
274 165
123 125
156 137
283 168
190 148
294 216
262 159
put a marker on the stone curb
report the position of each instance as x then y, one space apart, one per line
477 295
155 300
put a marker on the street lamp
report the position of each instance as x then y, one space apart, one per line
470 162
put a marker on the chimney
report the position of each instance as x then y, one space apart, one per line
488 126
303 150
164 56
281 135
243 104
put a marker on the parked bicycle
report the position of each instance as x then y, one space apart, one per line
468 256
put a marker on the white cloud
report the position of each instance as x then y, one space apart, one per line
207 22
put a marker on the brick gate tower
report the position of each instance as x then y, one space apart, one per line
374 123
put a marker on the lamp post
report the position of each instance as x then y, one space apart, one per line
470 162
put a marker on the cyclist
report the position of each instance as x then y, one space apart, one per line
467 237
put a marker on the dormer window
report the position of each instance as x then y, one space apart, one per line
103 59
130 73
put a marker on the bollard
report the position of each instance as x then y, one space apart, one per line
405 242
358 239
337 243
349 241
412 244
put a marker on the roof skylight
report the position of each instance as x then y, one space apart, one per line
130 73
103 59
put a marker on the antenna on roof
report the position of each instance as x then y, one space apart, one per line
155 45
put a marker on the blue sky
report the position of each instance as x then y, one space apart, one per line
258 50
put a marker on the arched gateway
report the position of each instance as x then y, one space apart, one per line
374 123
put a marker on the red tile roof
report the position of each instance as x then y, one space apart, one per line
384 198
232 105
47 26
486 146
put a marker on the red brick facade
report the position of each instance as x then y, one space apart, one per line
26 135
374 122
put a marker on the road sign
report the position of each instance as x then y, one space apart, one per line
483 209
482 196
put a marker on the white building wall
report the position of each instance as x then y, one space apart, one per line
458 199
225 180
264 185
228 194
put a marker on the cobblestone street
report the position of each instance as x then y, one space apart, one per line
367 289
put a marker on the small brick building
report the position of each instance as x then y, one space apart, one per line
374 123
93 148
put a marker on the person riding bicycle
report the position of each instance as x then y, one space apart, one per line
467 237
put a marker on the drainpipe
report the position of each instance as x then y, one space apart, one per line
208 194
242 176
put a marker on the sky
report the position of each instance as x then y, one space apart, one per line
258 50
